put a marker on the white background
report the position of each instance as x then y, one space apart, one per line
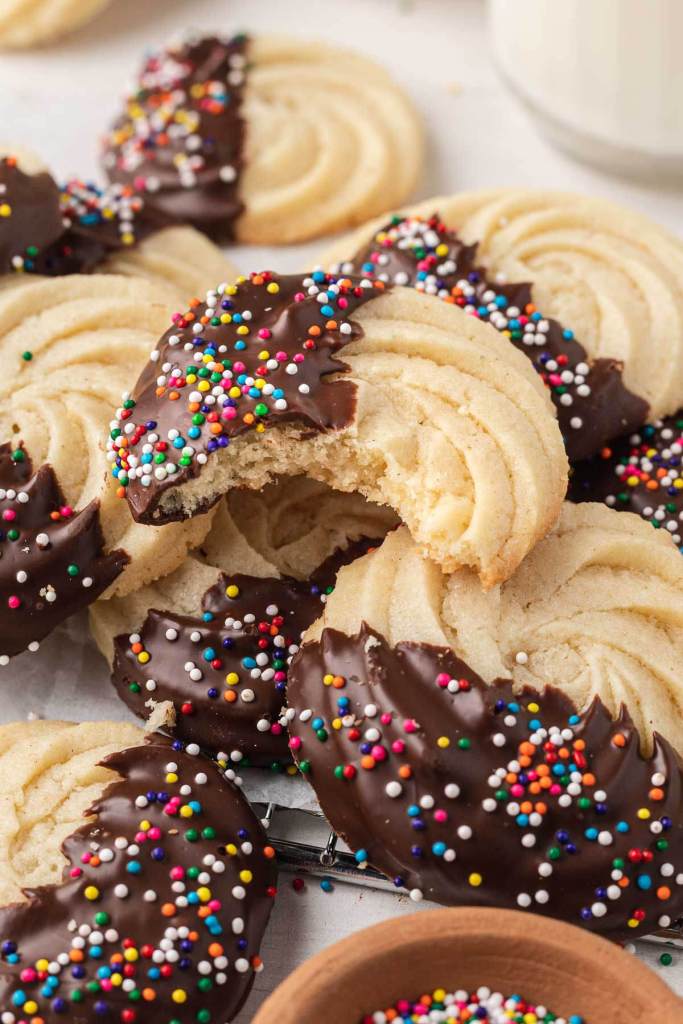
58 101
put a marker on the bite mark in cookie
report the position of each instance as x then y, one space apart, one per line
255 353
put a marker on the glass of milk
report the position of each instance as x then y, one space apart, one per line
602 78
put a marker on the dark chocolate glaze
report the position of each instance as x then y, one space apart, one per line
220 349
180 138
641 473
243 719
468 821
157 943
30 217
70 230
52 562
427 255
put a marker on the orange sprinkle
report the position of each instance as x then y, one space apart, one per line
168 909
656 794
405 771
619 740
230 696
268 852
173 396
664 892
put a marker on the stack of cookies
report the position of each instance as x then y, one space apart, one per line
410 521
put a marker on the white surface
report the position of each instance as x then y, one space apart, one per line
58 100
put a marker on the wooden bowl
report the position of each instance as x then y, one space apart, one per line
566 969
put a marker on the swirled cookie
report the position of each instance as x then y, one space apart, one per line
216 636
68 345
589 291
26 23
448 730
640 473
267 140
136 880
386 392
78 227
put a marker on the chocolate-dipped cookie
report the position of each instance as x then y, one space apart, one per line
640 473
79 227
588 291
221 132
216 637
512 748
67 346
372 389
137 882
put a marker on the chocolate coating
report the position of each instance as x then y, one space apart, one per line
199 390
29 213
593 404
72 230
52 562
191 950
466 793
251 637
641 473
180 138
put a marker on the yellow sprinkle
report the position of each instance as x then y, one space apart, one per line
186 811
145 826
204 894
273 288
441 250
533 707
632 923
232 679
191 378
443 742
243 329
260 428
226 318
643 813
5 210
131 955
128 238
143 657
116 979
179 995
171 777
246 876
439 995
327 679
336 723
231 849
292 769
263 355
232 590
30 1006
91 892
475 879
42 964
203 385
234 392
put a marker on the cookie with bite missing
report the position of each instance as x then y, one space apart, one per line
518 747
588 291
365 387
136 879
265 139
216 637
